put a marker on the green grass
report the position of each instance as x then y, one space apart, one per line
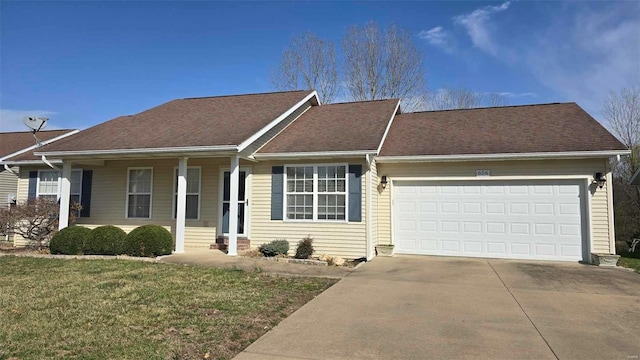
630 260
117 309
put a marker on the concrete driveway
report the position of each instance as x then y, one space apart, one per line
414 307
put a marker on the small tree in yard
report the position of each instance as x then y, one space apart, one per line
35 220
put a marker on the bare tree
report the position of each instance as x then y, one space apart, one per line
308 63
622 113
383 65
462 98
35 220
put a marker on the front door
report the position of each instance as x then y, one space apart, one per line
241 198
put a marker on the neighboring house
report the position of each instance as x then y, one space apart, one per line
635 179
505 182
16 143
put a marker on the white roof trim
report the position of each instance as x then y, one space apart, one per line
323 154
505 156
276 121
32 147
190 149
635 179
386 131
30 162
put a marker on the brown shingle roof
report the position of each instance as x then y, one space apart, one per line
11 142
511 129
336 127
208 121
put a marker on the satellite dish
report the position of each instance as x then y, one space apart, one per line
35 123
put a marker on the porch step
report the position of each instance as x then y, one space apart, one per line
222 243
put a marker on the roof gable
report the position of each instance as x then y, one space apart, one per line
542 128
356 126
16 142
191 122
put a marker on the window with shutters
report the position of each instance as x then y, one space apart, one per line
316 192
49 185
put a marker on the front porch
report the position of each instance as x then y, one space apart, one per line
188 196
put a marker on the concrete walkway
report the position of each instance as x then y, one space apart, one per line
219 259
411 307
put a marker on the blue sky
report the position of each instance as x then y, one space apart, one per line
82 63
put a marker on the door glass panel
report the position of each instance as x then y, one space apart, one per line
241 199
241 186
225 218
227 183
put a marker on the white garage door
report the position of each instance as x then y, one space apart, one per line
498 219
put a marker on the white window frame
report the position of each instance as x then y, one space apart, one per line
316 193
58 193
247 194
126 209
199 193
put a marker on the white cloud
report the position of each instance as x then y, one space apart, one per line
589 54
478 27
438 37
11 120
581 52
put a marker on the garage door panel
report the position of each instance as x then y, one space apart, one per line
516 219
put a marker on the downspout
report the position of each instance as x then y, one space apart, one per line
6 167
46 161
368 211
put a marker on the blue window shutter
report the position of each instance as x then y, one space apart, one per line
85 197
355 193
33 183
277 196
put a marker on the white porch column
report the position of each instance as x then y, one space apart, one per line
65 194
181 210
234 180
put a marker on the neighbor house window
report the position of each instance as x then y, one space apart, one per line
139 187
49 185
193 193
316 192
76 186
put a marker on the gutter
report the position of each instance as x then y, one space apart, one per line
325 154
190 149
504 156
46 161
7 168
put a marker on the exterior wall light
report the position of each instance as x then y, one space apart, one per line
384 182
599 179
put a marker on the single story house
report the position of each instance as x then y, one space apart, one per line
518 182
15 143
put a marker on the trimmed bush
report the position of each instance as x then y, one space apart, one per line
69 241
105 240
305 248
274 248
149 240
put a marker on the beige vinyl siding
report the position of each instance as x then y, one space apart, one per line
109 194
601 241
345 239
8 185
262 140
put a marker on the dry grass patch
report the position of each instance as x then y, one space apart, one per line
115 309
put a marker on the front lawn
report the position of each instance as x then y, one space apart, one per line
118 309
631 261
